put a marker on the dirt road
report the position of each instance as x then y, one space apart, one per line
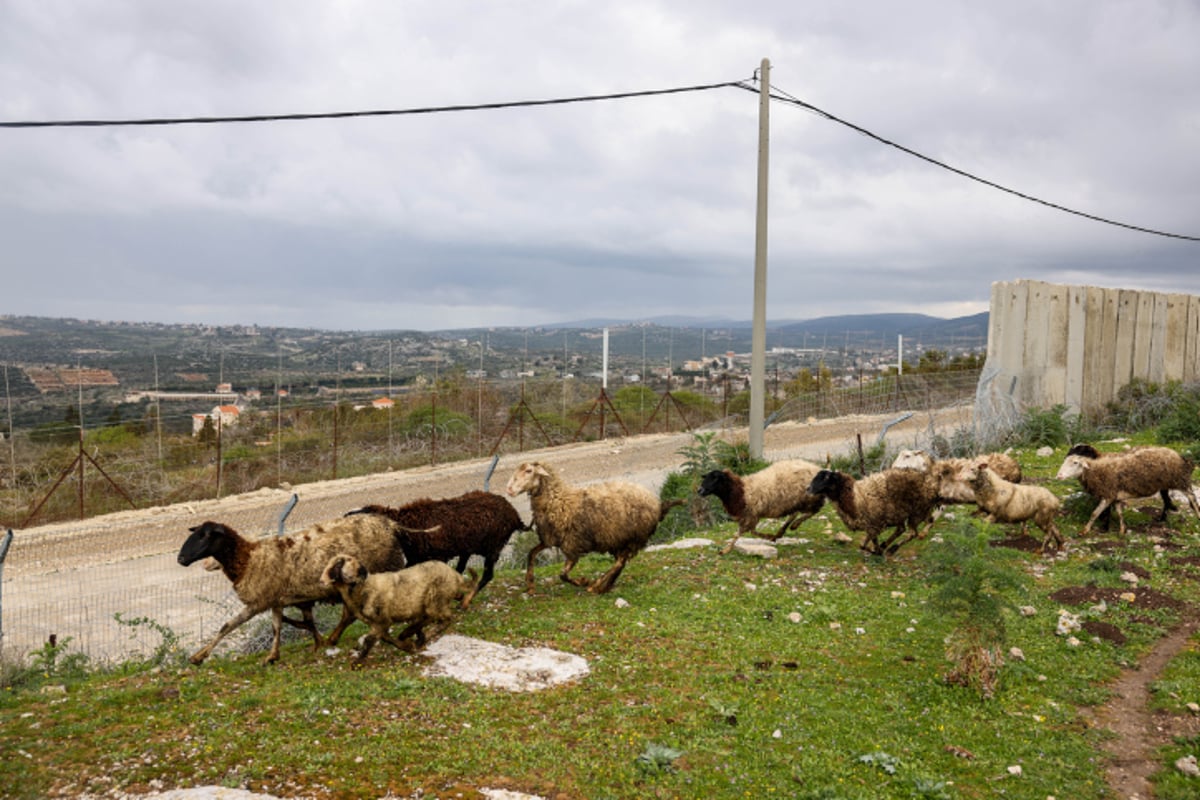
71 579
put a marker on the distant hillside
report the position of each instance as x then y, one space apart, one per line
914 326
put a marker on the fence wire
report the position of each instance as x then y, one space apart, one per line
108 585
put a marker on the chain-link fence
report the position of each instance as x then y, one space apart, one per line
109 583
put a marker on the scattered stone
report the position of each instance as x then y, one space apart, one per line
795 617
681 544
622 603
1028 611
1188 766
1016 654
1067 622
841 537
756 547
523 669
1016 771
1045 452
505 794
1130 578
1194 708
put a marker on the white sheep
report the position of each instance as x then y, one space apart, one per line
281 571
1116 478
952 489
900 498
616 517
779 490
1013 502
419 595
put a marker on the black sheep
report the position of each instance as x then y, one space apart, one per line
475 523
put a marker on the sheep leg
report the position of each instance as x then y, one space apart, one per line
343 623
416 629
489 565
1096 512
1051 531
870 543
229 627
888 546
308 623
606 581
565 575
784 528
277 626
729 545
537 548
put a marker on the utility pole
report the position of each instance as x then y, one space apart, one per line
758 336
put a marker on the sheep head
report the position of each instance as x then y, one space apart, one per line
343 570
527 478
1085 450
207 539
1073 466
828 483
912 459
716 482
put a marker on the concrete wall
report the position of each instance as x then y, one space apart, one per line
1050 344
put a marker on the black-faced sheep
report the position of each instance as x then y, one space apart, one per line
779 490
419 595
475 523
900 498
1116 478
616 517
277 572
953 490
1009 502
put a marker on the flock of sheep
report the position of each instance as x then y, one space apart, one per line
388 565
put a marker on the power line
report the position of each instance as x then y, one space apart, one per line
106 123
785 97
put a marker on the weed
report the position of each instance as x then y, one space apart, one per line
167 651
657 759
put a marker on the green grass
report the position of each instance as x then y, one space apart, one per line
705 686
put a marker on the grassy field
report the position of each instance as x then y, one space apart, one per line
819 674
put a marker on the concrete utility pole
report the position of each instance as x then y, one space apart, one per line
758 335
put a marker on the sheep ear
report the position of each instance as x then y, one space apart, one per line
538 469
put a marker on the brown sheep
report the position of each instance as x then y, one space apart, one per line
616 517
1116 478
1014 502
779 490
897 498
418 595
277 572
953 490
475 523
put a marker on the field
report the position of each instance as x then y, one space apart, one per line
821 673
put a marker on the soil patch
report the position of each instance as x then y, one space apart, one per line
1148 599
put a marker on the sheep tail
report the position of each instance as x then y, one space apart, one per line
667 506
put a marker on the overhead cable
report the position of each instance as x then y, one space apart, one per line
105 123
787 98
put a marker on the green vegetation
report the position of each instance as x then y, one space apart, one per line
823 673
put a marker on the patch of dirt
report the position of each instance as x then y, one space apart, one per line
1104 630
1147 599
1140 732
1023 542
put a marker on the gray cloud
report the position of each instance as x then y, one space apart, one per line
619 209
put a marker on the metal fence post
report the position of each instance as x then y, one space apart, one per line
4 545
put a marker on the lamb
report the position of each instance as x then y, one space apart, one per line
780 490
616 517
1013 502
475 523
1116 478
894 497
282 571
419 595
954 490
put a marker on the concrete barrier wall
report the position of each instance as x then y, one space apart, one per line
1051 344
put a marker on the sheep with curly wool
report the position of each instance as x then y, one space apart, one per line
615 517
279 571
779 490
952 489
475 523
1009 502
899 498
419 595
1116 478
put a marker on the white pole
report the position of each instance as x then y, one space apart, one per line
604 371
900 354
758 337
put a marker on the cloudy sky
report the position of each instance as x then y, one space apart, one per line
624 209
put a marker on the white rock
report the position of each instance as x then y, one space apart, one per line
1016 771
621 603
1028 611
1188 766
795 617
778 734
1045 452
1016 654
1129 578
1194 708
516 669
